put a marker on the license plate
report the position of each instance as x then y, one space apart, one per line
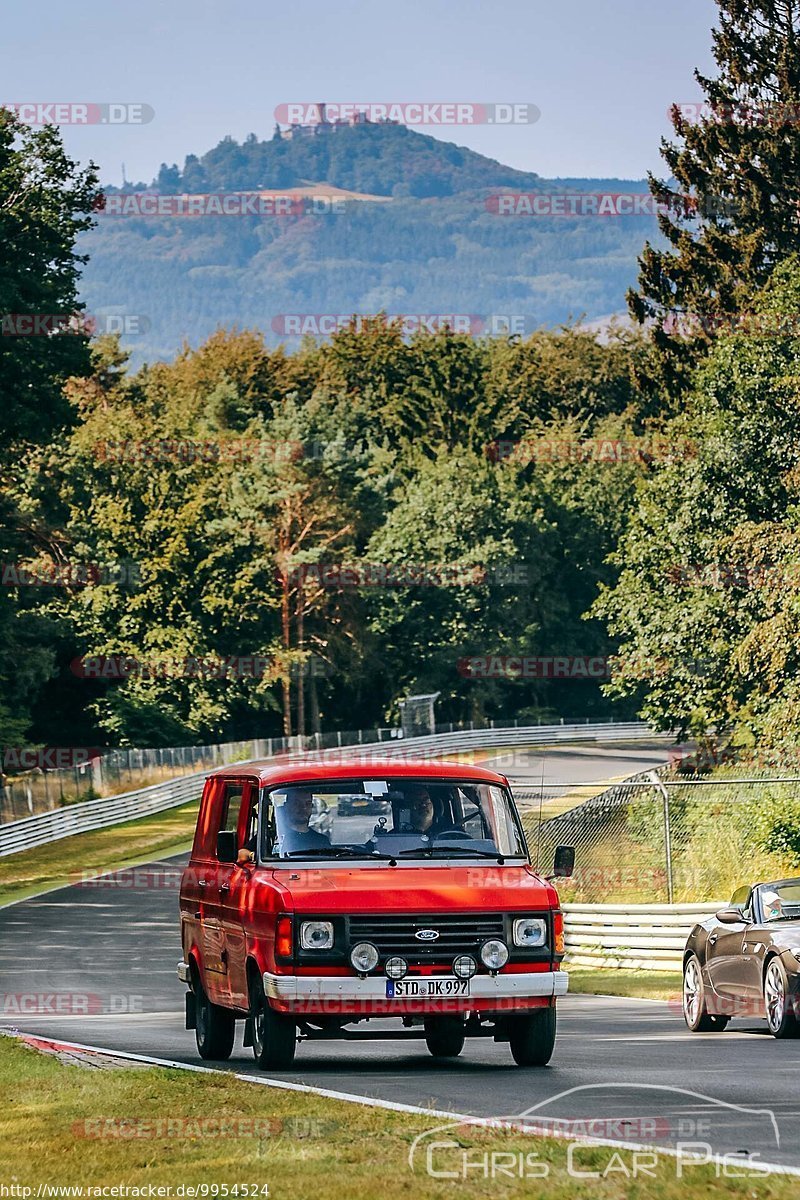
424 989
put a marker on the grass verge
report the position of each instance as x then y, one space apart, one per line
640 985
60 863
65 1126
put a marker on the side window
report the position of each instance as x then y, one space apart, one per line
741 900
231 807
251 829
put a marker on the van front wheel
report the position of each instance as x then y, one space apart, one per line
274 1035
444 1036
215 1027
533 1038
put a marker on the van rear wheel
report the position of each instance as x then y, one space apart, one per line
532 1038
274 1035
444 1036
215 1027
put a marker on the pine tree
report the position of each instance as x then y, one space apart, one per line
732 209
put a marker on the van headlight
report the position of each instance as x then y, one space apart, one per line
494 954
530 931
364 957
316 935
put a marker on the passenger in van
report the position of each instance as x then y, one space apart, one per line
293 828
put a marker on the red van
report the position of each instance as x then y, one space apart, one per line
326 896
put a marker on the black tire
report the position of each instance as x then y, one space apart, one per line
215 1027
695 1009
779 1002
274 1035
445 1036
532 1038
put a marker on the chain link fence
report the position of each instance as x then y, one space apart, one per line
662 838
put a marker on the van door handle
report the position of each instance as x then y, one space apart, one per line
202 882
224 888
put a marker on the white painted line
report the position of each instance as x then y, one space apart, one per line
760 1167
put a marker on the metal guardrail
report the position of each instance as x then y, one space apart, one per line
115 810
647 937
98 814
435 745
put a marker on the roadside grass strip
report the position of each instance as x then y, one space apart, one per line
180 1126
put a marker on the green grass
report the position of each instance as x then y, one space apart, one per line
306 1147
642 985
62 862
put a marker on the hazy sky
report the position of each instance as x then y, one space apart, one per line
603 72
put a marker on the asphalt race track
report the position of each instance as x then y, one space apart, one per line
99 960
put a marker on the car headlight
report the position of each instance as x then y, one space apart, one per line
364 957
396 967
530 931
316 935
464 966
494 954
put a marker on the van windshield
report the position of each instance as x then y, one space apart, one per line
389 818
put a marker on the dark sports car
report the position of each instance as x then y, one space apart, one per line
745 961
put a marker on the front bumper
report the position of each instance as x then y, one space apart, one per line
351 994
183 972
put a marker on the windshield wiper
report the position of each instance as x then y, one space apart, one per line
448 851
335 852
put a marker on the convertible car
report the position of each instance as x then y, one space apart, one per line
745 961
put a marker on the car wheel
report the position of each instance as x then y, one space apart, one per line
778 1002
215 1027
695 1012
533 1037
274 1035
444 1036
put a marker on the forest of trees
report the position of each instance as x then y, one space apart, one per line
380 515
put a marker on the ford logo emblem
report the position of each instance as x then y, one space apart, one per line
426 935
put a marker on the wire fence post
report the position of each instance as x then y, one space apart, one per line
667 834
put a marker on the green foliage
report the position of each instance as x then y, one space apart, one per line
706 606
740 162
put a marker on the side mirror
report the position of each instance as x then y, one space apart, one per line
563 862
226 846
730 916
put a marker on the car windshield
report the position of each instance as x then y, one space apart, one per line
781 901
388 818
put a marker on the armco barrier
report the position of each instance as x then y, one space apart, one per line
98 814
648 937
114 810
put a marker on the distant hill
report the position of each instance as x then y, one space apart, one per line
386 160
429 245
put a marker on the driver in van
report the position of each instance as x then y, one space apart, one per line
294 832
